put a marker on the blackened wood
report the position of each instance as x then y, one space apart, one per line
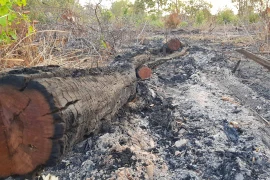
236 66
44 111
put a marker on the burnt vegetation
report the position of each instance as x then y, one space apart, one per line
142 89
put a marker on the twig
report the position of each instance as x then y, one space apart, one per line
210 30
249 35
262 118
97 6
34 34
19 60
141 32
158 61
236 66
87 44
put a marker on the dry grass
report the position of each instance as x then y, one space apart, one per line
73 39
87 40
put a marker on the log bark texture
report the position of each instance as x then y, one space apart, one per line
44 111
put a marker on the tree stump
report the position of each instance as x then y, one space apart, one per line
44 111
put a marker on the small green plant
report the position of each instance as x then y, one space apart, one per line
155 20
253 17
184 24
12 20
106 15
200 18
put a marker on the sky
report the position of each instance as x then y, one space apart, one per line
221 4
217 4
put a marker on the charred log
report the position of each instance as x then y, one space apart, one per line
44 111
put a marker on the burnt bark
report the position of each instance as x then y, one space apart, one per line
44 111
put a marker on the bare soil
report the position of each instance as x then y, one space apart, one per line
193 119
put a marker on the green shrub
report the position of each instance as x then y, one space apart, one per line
183 24
226 16
155 20
106 15
13 22
200 18
157 23
253 17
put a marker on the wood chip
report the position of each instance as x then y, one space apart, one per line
150 170
229 99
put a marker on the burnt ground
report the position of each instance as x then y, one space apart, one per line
194 119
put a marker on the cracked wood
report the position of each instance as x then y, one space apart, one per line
44 111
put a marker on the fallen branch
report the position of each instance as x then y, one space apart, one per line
255 58
262 118
158 61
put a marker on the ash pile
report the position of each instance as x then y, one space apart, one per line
193 119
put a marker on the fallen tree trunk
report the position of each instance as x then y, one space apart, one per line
44 111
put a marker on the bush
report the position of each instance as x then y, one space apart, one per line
183 24
13 22
106 15
155 20
253 17
226 16
200 18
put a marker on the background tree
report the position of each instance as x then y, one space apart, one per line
193 6
226 16
249 7
139 7
120 8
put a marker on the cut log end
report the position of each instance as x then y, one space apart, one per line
174 44
171 46
144 72
25 131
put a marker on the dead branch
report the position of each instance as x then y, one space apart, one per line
158 61
265 63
